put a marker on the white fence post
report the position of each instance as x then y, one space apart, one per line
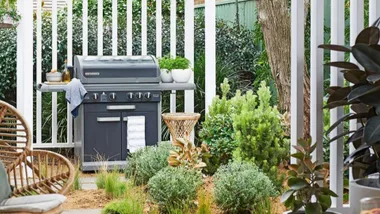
297 70
144 39
316 71
210 50
25 60
158 28
100 27
70 63
336 78
54 53
39 72
374 11
114 27
129 28
173 47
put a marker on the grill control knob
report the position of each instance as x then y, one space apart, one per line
130 96
147 95
139 95
95 96
112 96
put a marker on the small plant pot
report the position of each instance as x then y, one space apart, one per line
7 22
54 77
181 76
362 188
166 76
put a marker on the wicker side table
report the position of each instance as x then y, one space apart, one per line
180 124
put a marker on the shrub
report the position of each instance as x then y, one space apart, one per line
146 163
101 180
259 134
241 187
133 203
114 187
174 187
217 130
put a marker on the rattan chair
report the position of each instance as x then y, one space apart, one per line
30 172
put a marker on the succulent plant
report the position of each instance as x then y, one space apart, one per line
363 96
307 179
188 155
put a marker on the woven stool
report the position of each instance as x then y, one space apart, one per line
180 124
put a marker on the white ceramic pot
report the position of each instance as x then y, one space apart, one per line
54 77
7 22
181 76
362 188
166 76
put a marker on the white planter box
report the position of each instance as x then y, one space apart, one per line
7 22
181 76
166 76
362 188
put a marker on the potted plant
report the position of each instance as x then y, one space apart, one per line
166 67
306 194
181 70
363 96
8 13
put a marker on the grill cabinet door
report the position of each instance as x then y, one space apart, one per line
103 136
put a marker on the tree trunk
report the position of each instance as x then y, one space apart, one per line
274 19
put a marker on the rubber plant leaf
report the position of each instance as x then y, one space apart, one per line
359 152
356 136
369 35
325 201
331 47
372 130
341 135
373 78
313 208
362 91
354 76
286 195
367 57
333 126
297 183
343 64
339 94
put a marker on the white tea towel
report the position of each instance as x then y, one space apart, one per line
135 133
75 93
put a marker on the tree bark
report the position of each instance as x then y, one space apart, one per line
274 19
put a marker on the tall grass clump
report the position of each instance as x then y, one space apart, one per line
77 184
145 163
204 202
115 188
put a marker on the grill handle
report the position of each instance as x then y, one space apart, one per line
122 107
108 119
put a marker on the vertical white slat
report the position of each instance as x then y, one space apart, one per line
336 79
210 49
85 28
158 28
297 70
114 27
54 66
356 25
374 11
70 63
129 28
100 27
144 39
189 53
316 81
25 61
39 71
173 47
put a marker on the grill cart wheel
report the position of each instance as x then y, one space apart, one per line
180 124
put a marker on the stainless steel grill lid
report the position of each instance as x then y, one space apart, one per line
116 69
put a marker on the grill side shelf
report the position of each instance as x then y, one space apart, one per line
122 87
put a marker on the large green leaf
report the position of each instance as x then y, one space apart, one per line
325 201
354 76
333 126
367 57
356 136
332 89
313 208
331 47
362 91
356 154
342 64
327 191
369 35
341 135
372 130
360 108
286 195
339 94
373 78
297 183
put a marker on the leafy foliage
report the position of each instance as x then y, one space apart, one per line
363 98
241 187
259 133
166 63
174 186
180 63
144 164
205 202
188 155
303 182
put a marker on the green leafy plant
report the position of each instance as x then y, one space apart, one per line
205 202
241 187
362 95
303 182
188 155
166 63
77 183
144 164
174 187
8 10
259 132
132 203
113 185
180 63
